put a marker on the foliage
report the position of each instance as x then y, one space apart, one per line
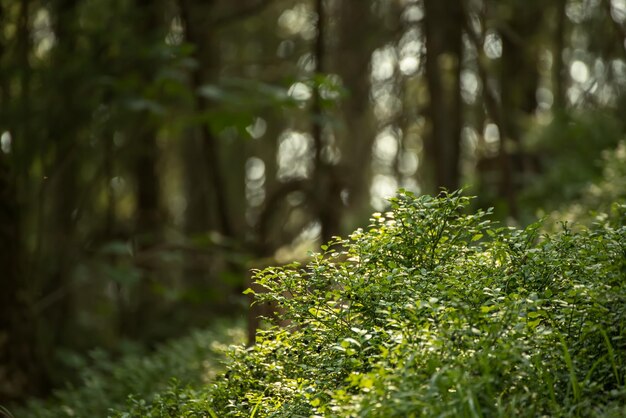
108 382
434 312
598 198
571 150
151 150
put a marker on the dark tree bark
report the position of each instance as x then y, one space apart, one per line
150 27
214 169
142 307
23 51
558 75
4 83
356 31
195 15
443 24
326 184
20 371
148 212
319 52
55 256
519 79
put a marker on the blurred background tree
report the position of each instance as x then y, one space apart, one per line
152 151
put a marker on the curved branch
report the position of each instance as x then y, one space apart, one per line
242 13
271 205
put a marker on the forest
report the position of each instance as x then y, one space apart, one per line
163 163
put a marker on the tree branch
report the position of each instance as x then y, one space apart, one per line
271 204
242 13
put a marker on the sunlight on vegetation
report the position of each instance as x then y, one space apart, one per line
160 157
433 312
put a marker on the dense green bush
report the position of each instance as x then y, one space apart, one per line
107 383
433 312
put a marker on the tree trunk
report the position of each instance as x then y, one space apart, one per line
20 373
356 29
142 307
443 24
195 15
326 187
519 79
56 306
558 74
21 370
210 207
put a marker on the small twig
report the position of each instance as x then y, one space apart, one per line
5 412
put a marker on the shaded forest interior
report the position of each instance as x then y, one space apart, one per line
153 151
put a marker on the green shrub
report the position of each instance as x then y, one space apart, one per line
107 383
432 312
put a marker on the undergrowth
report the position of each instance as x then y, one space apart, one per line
106 384
433 312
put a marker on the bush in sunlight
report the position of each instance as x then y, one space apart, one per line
434 312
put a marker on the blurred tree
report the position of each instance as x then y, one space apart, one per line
149 27
62 177
19 363
207 56
356 31
443 23
520 30
558 72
